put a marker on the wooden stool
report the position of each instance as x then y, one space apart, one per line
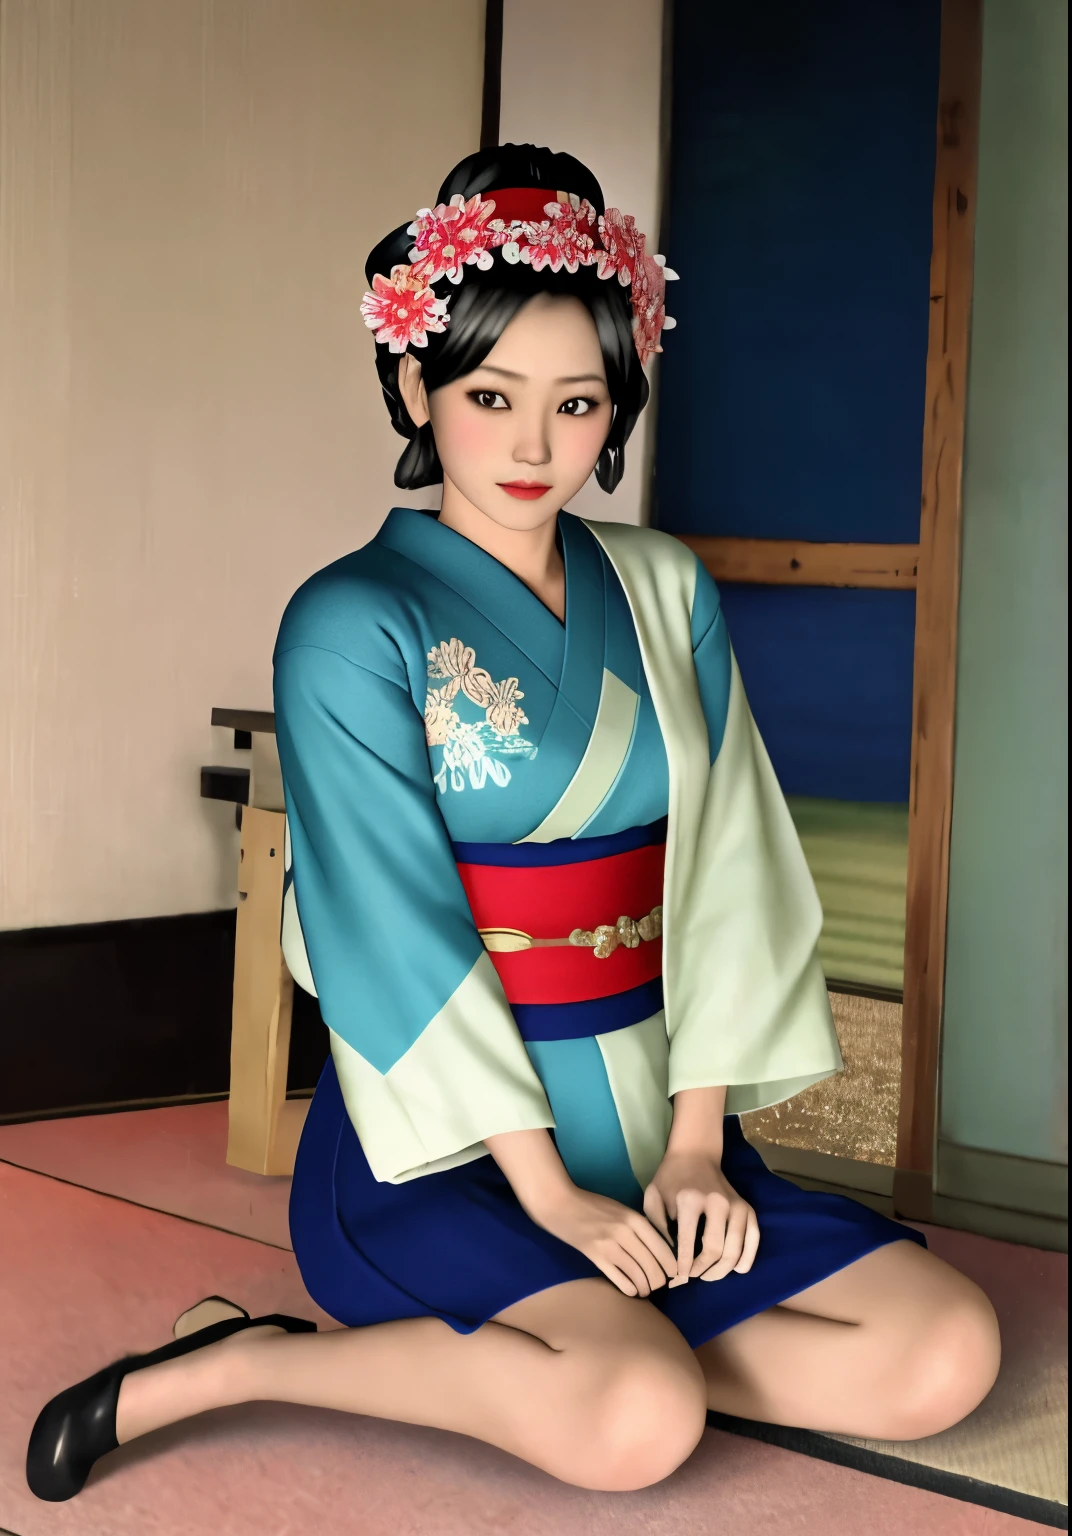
263 1125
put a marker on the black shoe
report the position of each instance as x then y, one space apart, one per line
78 1426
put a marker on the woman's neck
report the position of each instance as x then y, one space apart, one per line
531 553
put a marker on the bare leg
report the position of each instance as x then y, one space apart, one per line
896 1346
594 1387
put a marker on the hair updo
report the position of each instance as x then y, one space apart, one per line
484 303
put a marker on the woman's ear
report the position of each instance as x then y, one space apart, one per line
411 388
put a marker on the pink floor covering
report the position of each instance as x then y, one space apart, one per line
87 1275
170 1159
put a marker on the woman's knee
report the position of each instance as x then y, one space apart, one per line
950 1368
649 1415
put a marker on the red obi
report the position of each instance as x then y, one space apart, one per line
549 902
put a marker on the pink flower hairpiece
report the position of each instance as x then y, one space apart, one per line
402 309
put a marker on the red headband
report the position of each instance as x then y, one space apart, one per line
528 205
523 225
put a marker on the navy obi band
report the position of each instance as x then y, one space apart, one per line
577 1021
563 850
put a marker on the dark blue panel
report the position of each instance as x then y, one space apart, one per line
801 180
828 674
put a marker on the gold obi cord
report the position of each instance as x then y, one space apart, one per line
603 941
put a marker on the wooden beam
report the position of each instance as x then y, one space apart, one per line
796 563
937 592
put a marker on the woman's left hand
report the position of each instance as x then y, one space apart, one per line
686 1186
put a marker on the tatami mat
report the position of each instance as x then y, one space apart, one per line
854 1113
858 856
94 1276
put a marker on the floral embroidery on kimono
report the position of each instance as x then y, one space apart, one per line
472 747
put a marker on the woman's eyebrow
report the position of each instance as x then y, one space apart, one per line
577 378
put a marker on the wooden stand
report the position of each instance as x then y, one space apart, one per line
263 1126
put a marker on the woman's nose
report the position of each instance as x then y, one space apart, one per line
533 442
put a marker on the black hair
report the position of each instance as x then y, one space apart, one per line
484 303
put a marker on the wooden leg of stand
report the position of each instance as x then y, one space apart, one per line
263 1128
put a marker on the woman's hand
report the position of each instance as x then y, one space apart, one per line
686 1186
620 1242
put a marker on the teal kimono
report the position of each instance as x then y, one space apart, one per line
446 746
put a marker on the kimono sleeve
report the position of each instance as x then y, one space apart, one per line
752 1010
428 1055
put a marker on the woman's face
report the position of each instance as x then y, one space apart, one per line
521 434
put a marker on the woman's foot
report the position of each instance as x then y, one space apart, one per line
178 1388
79 1425
213 1309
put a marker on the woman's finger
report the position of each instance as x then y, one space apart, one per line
689 1209
751 1244
633 1269
655 1211
655 1243
620 1281
717 1212
641 1254
718 1265
620 1258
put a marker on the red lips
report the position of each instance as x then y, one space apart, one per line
524 490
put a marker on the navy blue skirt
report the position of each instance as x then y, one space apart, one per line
458 1246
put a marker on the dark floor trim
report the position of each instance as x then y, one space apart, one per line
841 1172
862 989
125 1106
970 1490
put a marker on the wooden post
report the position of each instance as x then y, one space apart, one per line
937 592
263 1128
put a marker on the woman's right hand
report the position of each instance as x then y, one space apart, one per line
619 1241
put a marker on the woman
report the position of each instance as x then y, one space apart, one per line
541 876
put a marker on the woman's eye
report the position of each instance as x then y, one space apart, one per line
489 399
577 407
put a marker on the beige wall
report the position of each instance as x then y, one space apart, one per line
584 77
190 422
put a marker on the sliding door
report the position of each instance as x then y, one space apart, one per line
804 397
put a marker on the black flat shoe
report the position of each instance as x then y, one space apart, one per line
77 1427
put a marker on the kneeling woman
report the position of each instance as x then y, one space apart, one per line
543 881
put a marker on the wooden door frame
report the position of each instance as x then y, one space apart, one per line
937 603
932 569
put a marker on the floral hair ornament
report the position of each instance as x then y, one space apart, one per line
522 226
